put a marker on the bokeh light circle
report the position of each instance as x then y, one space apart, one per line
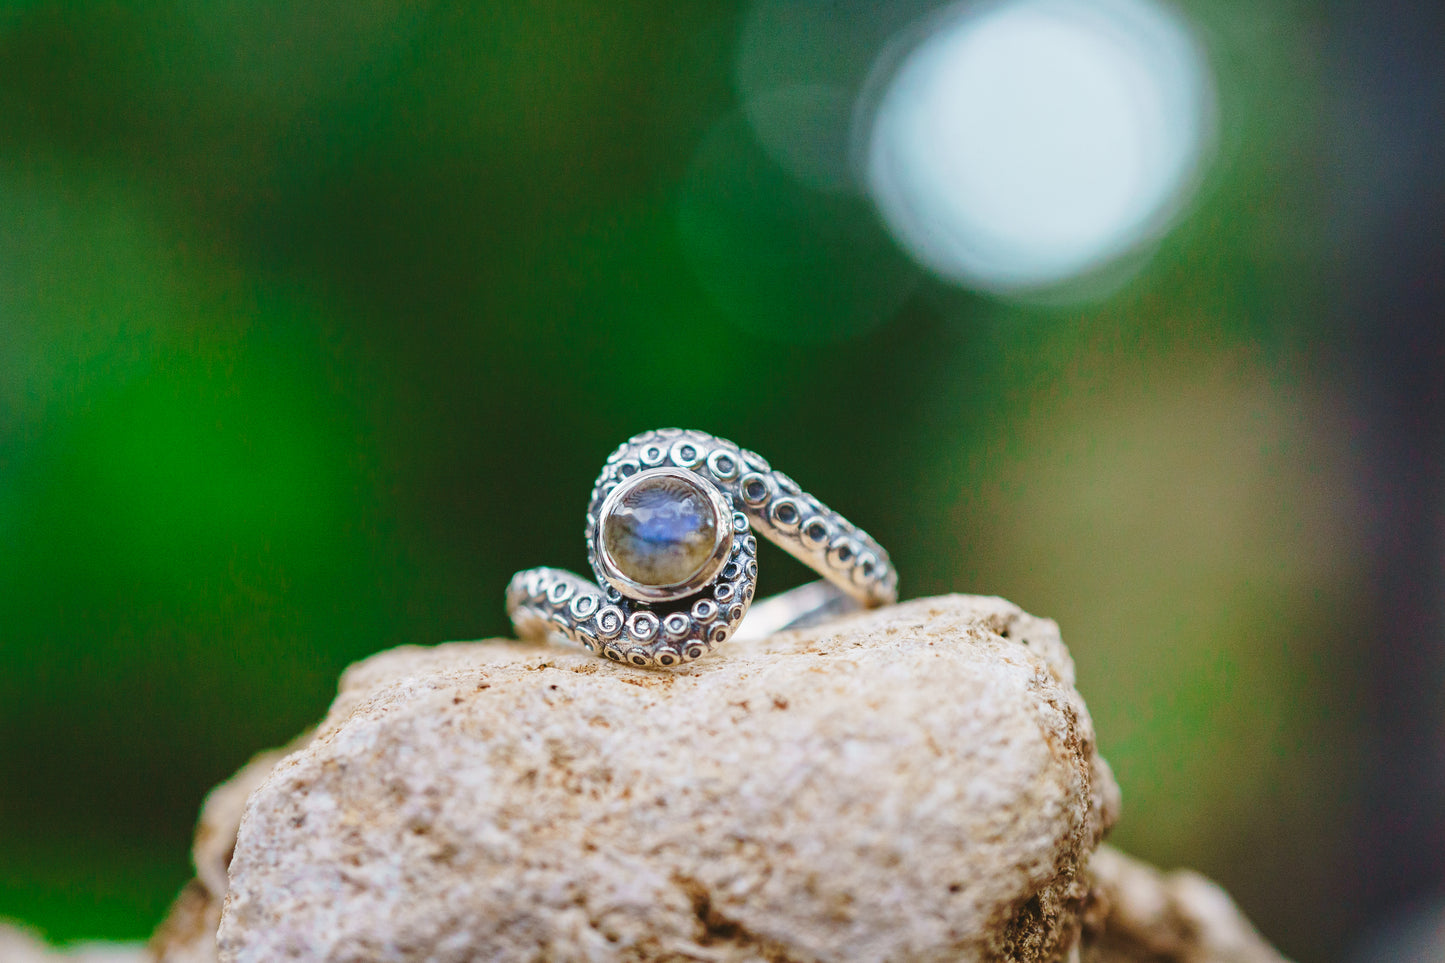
1019 145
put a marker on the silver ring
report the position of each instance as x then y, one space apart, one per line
670 541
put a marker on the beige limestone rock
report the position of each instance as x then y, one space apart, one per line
914 783
20 946
1140 915
188 934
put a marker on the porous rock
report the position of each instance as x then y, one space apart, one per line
1139 915
1129 913
20 946
913 783
188 934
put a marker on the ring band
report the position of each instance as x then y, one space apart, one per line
670 541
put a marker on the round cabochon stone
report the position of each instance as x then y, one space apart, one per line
662 531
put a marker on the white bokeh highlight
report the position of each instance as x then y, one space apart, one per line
1020 145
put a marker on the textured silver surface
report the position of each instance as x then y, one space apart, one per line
547 601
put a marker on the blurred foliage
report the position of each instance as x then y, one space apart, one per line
316 323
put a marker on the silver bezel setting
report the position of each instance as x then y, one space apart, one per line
722 546
603 616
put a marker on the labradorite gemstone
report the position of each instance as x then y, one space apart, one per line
661 532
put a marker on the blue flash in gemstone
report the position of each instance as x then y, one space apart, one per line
661 532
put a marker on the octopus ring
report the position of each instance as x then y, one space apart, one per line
670 540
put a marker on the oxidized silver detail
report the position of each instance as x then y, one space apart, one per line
622 620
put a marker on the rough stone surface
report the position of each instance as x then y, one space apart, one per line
20 946
188 934
915 783
1140 915
911 784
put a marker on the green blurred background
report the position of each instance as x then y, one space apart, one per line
318 319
